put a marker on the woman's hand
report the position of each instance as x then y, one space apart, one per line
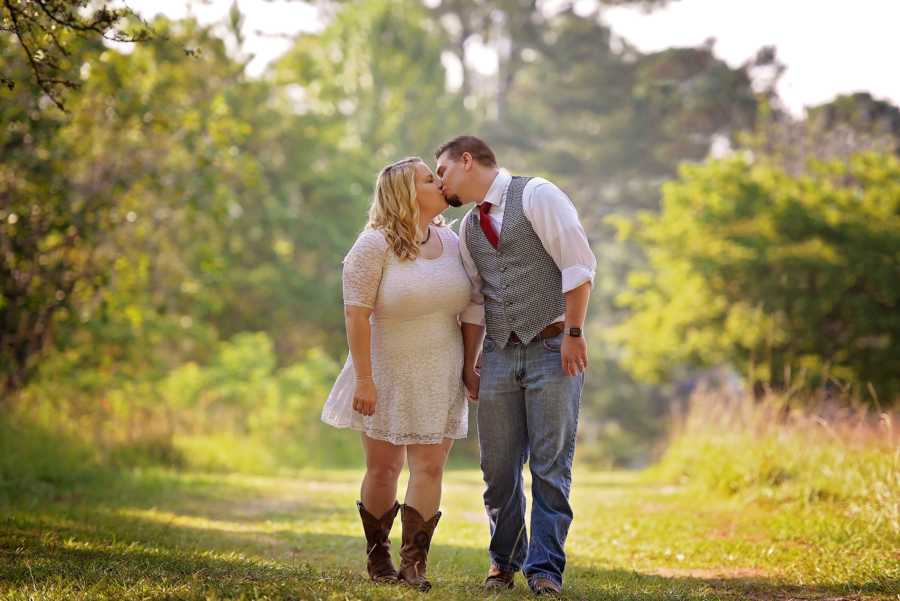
364 396
472 380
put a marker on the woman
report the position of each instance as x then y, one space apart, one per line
404 288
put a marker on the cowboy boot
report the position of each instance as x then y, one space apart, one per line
417 535
378 546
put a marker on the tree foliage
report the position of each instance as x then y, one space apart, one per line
789 278
46 31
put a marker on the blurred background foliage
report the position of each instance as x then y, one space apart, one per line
170 244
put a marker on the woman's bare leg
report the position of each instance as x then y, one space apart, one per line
384 461
426 472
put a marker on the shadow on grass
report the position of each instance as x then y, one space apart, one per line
594 583
169 546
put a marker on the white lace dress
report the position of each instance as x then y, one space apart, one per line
417 351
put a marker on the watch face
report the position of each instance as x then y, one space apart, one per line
575 332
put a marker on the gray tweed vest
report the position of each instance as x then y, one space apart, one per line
521 283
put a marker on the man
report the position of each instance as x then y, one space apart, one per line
531 266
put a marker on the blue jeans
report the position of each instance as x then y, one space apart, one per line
528 411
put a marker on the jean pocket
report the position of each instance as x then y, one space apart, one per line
488 346
553 344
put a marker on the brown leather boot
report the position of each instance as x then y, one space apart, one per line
417 535
378 546
499 579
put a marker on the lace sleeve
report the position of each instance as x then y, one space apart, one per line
362 269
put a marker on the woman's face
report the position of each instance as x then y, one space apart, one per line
429 195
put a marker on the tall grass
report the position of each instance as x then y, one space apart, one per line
237 412
815 452
37 463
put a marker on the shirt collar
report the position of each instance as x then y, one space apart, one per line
498 187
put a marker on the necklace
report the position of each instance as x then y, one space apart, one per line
428 237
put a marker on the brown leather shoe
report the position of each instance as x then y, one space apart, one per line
544 586
417 535
498 580
378 546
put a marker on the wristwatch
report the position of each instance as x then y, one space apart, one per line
574 332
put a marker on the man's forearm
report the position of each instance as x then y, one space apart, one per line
576 305
473 335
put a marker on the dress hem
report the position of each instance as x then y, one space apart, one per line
397 442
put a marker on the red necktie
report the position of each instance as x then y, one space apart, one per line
486 225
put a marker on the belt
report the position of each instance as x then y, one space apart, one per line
554 329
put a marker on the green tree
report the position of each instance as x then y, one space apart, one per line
49 224
112 225
774 274
45 34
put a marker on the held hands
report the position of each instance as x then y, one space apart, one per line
364 396
472 379
574 355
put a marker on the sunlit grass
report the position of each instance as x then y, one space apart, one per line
810 457
744 505
205 536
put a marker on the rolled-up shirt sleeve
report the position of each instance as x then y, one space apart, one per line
555 221
363 267
474 312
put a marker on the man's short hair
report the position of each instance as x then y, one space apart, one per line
476 147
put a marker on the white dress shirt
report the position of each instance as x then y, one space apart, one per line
555 221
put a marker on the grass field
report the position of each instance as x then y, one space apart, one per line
160 534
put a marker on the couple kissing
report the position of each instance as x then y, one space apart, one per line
436 320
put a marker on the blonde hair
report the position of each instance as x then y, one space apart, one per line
394 210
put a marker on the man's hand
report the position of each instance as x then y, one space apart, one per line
364 397
574 354
472 379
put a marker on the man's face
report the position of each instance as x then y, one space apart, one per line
452 173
